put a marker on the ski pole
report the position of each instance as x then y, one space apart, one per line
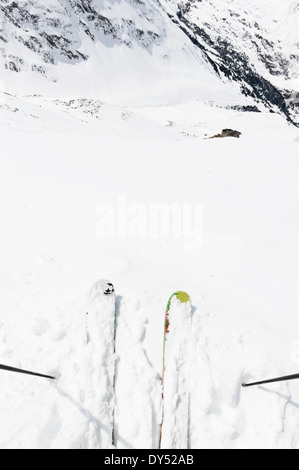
23 371
277 379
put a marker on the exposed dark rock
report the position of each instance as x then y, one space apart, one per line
234 63
226 133
245 108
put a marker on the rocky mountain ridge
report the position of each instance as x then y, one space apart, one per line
231 39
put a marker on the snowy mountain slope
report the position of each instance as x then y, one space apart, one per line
167 50
41 114
252 43
242 281
115 51
195 119
55 30
266 30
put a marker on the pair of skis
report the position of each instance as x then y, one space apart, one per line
101 334
100 338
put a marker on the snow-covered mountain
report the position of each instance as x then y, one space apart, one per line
56 31
128 49
254 43
107 171
110 50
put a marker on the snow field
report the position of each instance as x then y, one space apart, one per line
242 282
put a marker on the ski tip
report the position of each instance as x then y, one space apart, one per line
100 288
182 296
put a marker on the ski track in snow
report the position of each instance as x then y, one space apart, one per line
135 379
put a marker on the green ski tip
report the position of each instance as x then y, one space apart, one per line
182 296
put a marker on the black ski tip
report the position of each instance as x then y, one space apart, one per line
110 289
100 288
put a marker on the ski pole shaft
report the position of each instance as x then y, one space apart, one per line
23 371
277 379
